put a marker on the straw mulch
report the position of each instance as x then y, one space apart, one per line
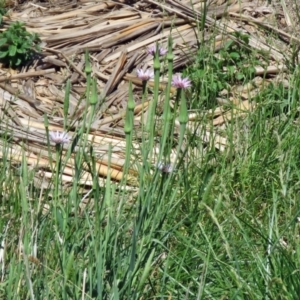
117 33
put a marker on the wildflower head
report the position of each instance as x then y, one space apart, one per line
165 168
180 83
144 75
59 137
161 50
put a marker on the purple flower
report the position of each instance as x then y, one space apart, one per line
161 50
144 75
59 137
180 83
165 168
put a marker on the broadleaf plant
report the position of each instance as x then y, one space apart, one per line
17 45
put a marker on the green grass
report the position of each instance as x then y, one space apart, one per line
223 225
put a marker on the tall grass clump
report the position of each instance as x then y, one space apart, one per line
115 247
238 237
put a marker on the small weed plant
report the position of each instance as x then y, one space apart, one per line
17 45
213 72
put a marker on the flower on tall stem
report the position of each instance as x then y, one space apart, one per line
165 168
59 138
161 50
179 82
145 75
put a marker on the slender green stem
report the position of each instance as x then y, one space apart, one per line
128 128
153 103
57 180
167 116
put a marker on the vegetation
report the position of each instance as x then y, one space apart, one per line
233 64
17 45
207 224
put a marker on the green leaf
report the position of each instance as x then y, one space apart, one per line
3 41
231 69
235 55
3 54
229 44
220 85
18 62
239 76
12 50
21 50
